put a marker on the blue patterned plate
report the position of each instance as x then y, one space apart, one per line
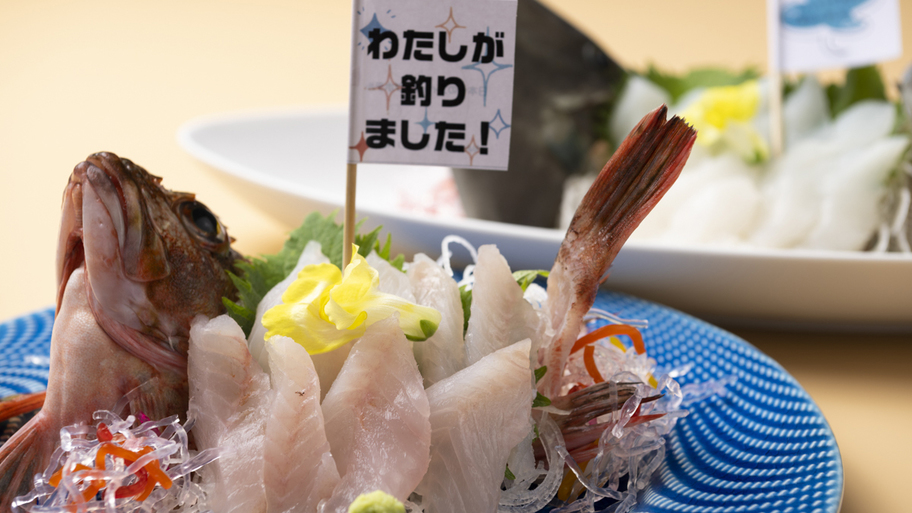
764 446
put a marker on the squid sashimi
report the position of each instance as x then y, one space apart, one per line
299 468
376 416
229 399
500 314
478 415
328 364
441 355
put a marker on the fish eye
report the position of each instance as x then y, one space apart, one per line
200 220
204 220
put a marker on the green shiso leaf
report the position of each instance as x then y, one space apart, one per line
259 275
509 475
540 373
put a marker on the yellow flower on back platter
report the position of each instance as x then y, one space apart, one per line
723 116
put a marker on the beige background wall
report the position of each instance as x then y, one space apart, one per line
83 76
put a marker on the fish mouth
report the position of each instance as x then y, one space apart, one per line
106 179
70 247
97 179
107 228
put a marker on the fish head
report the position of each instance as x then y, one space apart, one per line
154 258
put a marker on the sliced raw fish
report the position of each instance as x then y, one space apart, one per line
312 254
478 416
299 468
392 280
328 364
230 399
443 353
500 315
376 417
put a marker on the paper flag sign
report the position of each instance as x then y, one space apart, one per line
820 34
432 82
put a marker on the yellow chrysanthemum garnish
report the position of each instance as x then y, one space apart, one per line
722 117
324 308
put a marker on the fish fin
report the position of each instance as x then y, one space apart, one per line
636 177
25 454
22 404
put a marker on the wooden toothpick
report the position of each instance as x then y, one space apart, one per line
348 233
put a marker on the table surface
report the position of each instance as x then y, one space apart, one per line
81 77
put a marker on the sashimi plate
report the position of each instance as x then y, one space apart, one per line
289 163
763 446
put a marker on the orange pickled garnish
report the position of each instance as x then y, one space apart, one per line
591 367
55 478
609 330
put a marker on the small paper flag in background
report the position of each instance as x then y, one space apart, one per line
821 34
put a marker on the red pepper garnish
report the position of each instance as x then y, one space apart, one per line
103 433
138 486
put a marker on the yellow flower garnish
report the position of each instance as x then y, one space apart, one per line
376 502
324 308
722 117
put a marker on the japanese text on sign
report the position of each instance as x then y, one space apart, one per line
432 82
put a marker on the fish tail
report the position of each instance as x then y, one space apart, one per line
25 454
22 404
636 177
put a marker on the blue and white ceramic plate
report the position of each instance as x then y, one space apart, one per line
764 446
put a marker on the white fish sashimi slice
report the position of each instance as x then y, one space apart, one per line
299 468
500 315
376 418
229 398
326 364
478 416
392 280
443 353
312 254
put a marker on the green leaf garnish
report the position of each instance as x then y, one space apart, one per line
259 275
465 295
863 83
540 373
540 401
509 475
524 278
